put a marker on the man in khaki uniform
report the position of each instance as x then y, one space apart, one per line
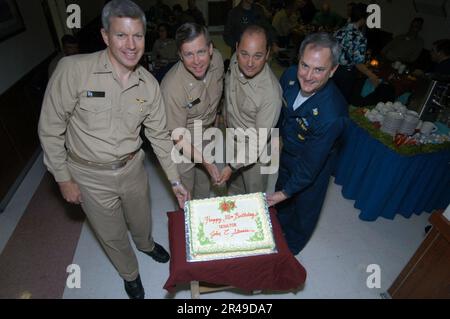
253 99
89 127
192 90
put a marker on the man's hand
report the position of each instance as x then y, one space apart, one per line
181 194
70 192
225 175
275 198
213 171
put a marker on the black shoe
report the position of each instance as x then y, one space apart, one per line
134 288
158 253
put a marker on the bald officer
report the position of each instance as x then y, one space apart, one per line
192 90
253 99
89 127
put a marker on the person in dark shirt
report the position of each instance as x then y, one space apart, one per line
440 54
307 11
406 48
158 13
179 17
244 14
440 60
195 13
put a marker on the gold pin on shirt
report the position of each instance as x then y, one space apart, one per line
141 101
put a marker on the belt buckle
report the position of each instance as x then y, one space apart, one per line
117 165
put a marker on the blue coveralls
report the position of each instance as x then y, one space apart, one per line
310 135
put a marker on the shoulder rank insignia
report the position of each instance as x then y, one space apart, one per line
315 111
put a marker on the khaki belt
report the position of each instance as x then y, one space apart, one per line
107 166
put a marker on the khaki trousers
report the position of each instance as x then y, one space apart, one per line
116 201
248 180
196 179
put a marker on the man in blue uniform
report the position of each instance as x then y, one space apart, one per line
310 126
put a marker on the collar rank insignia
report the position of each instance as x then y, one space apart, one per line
291 83
315 111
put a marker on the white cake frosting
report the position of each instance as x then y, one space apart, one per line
226 227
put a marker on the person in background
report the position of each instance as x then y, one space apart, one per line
440 60
245 13
158 13
164 52
406 48
70 46
350 6
440 55
192 90
194 12
352 59
285 22
265 6
179 17
307 11
93 110
253 101
311 126
326 19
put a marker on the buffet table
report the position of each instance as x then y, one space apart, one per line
384 183
279 271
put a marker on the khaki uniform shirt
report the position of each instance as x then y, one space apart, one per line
251 103
180 88
87 111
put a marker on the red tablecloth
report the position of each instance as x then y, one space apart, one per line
279 271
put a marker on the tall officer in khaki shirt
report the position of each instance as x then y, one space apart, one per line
89 127
192 90
253 100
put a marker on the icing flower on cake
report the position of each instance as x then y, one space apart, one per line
227 206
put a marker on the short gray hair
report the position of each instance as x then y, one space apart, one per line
190 31
122 9
322 40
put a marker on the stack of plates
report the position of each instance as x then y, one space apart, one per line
392 123
409 124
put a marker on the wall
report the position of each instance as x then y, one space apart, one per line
89 9
396 16
22 52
